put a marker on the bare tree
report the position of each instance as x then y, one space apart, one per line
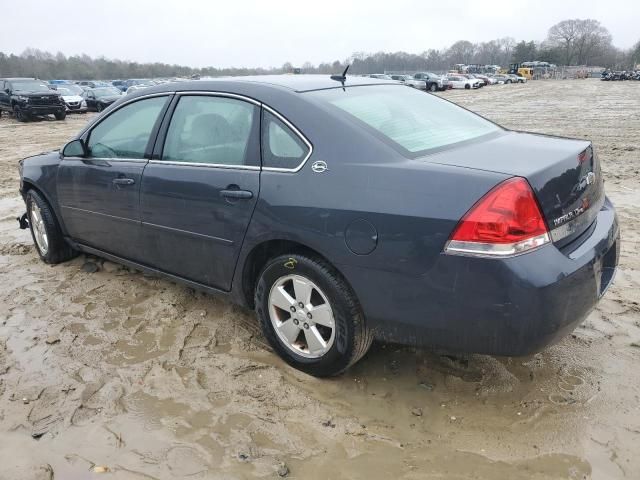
461 52
563 35
592 41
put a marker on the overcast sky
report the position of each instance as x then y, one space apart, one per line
246 33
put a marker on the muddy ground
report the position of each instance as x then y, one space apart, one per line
126 376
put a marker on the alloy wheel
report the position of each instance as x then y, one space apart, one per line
301 316
39 229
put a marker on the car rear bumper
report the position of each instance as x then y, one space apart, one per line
513 306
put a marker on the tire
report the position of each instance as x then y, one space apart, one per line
433 87
467 86
20 115
41 217
508 81
98 107
60 116
344 344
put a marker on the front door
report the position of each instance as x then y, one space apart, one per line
198 197
99 194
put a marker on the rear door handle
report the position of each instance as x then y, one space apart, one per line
236 194
123 181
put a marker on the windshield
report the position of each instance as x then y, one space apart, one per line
30 86
408 118
106 92
68 90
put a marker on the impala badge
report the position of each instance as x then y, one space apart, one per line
320 166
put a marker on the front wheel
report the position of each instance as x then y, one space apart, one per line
20 115
310 316
46 231
433 87
98 107
60 115
467 86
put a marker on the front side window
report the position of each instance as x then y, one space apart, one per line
407 118
125 133
281 147
211 130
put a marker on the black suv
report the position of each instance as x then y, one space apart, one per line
29 97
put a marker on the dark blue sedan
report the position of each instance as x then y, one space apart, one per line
342 210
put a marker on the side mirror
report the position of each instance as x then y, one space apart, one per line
75 148
7 91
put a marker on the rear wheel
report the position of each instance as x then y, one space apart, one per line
46 232
310 316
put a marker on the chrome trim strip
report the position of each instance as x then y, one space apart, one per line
298 133
212 165
130 220
217 94
91 159
496 250
186 232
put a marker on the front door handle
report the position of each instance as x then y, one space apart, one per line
123 181
236 194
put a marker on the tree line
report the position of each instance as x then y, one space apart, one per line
570 42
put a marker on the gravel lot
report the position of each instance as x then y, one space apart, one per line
116 370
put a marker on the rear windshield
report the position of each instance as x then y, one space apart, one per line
413 120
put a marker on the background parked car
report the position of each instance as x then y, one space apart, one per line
379 76
29 97
515 78
458 81
135 88
92 83
500 78
120 85
100 98
434 82
487 80
72 96
410 81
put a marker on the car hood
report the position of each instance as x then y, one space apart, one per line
31 93
72 98
109 99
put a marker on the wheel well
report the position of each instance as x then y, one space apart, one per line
30 186
261 254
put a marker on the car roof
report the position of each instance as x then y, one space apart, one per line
13 79
294 83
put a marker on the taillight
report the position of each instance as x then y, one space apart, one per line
506 221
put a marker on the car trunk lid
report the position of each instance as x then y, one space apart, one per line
564 174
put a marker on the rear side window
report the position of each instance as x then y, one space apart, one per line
281 146
414 121
125 133
212 130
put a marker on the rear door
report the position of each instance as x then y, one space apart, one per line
99 194
201 187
